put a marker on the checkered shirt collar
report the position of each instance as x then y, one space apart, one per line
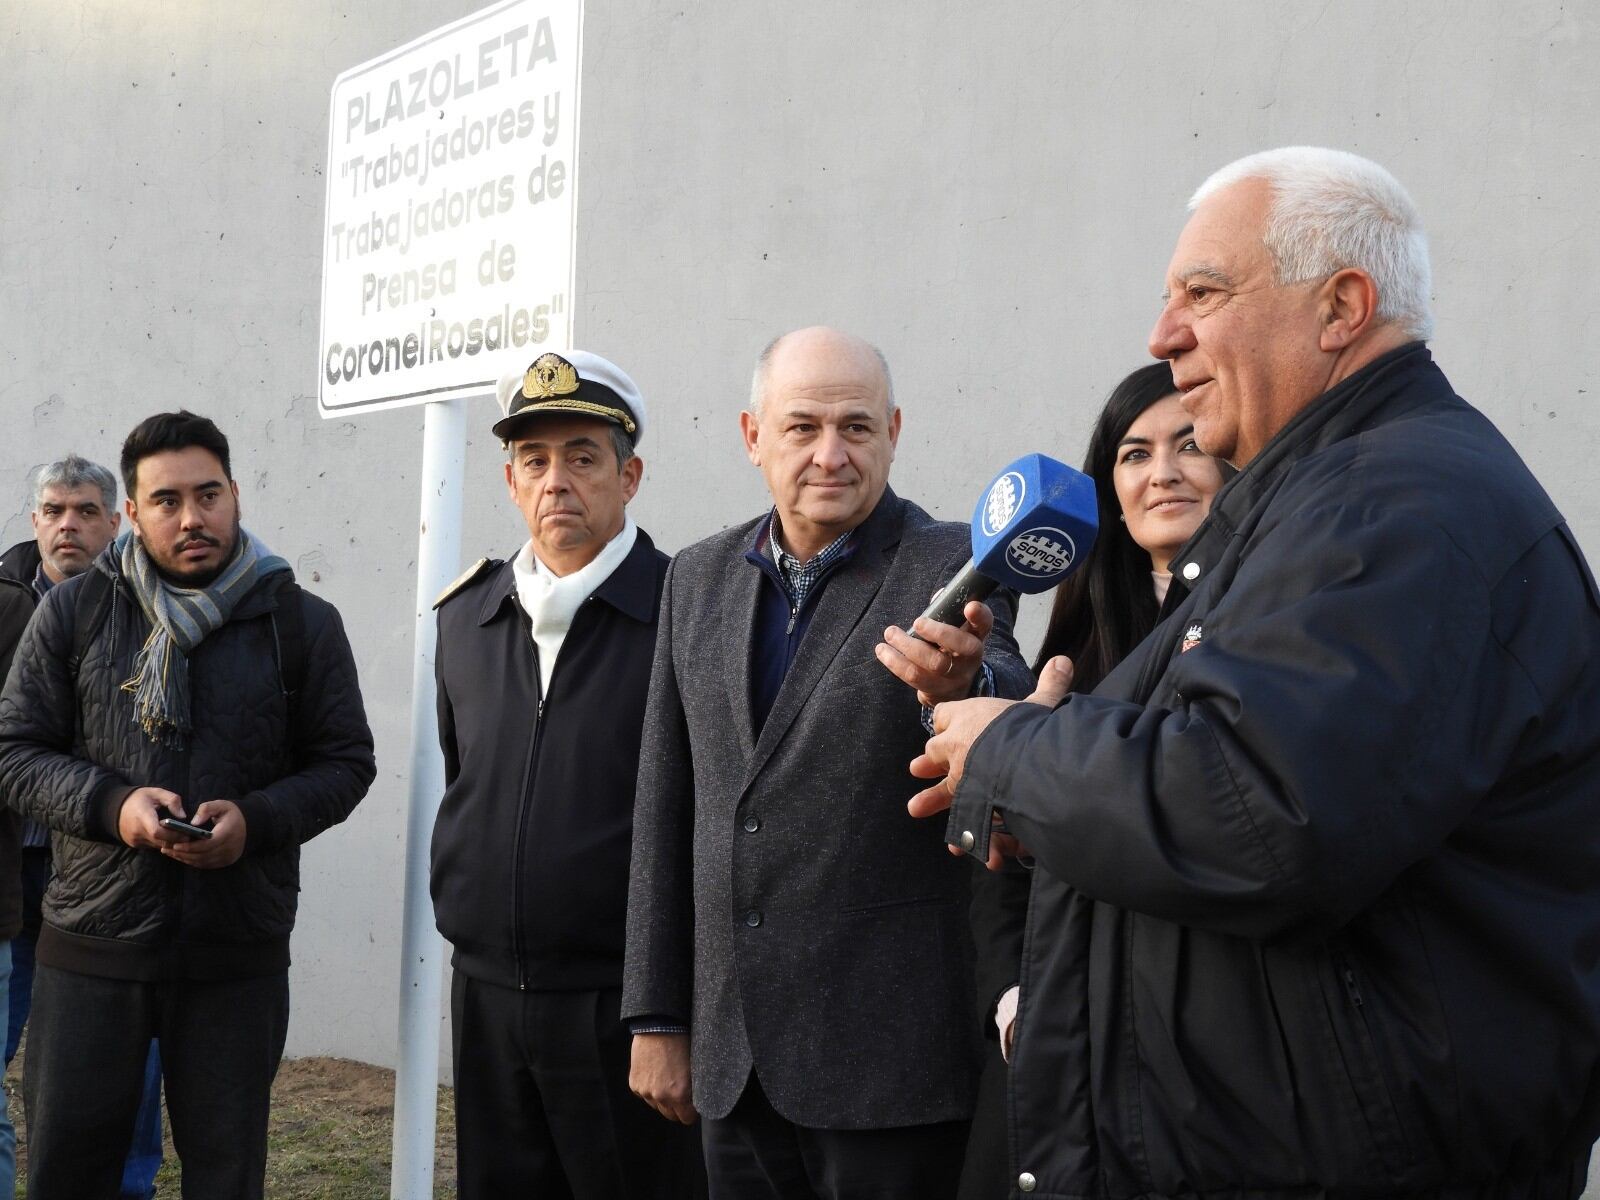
800 577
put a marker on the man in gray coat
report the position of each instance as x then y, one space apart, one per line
798 967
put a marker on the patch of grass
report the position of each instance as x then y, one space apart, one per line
330 1135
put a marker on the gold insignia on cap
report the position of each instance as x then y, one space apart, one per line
550 375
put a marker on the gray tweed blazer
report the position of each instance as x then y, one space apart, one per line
782 902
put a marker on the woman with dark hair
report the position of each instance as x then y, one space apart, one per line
1153 486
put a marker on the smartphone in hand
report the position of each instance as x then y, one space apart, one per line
179 825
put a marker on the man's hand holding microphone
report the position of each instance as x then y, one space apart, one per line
956 726
1035 523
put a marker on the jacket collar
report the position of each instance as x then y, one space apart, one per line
1384 388
16 585
879 531
20 561
883 526
630 589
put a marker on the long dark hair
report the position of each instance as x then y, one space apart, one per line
1108 606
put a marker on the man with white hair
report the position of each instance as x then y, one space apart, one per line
1318 895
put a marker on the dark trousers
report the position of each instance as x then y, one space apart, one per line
986 1175
144 1157
84 1072
543 1107
755 1154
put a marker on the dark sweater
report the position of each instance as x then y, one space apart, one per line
780 624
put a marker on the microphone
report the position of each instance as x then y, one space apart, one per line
1034 524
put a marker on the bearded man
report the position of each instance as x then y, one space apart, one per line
182 716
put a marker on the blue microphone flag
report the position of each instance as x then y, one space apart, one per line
1035 522
1034 525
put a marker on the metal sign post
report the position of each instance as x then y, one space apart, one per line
444 446
448 257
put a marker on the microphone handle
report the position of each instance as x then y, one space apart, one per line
949 601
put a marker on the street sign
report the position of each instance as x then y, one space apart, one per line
449 237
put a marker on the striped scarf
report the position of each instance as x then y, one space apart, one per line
180 618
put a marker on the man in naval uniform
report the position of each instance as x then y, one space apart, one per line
543 667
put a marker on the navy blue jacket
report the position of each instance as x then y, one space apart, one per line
531 844
1317 910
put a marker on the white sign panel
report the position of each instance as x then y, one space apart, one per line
452 179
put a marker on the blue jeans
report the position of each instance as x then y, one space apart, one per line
8 1132
35 874
144 1155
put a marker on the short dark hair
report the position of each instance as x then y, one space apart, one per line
171 431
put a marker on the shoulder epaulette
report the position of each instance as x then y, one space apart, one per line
467 578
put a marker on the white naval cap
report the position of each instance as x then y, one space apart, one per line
574 382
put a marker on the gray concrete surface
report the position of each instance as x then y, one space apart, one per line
989 191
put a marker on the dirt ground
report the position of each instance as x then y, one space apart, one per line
330 1137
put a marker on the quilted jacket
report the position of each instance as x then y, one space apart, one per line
70 752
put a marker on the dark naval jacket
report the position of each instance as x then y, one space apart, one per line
1317 910
531 844
70 752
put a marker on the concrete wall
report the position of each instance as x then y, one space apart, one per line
990 192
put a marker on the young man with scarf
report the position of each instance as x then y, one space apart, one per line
543 668
183 674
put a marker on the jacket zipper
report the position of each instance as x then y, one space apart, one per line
516 851
1353 988
526 804
1371 1090
794 615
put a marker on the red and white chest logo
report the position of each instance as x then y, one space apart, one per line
1191 638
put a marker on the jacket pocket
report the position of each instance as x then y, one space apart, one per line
1351 1017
